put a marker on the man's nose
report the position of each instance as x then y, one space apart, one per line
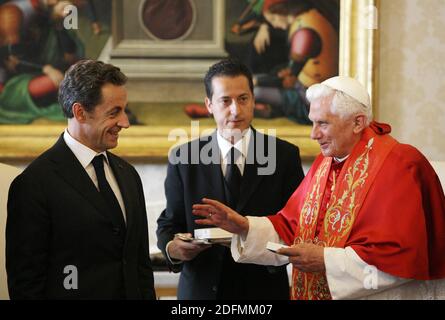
123 121
315 132
234 108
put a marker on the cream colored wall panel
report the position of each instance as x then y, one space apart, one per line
412 68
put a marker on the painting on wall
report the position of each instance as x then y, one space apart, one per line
289 45
39 40
166 45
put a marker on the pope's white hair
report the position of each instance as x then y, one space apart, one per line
342 105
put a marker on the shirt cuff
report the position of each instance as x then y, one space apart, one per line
252 249
171 260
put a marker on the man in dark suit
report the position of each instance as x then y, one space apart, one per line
77 224
245 169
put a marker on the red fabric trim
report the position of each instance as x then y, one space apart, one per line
335 168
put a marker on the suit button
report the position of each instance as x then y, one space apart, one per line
116 231
214 288
124 262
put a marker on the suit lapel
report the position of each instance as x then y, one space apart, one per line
70 169
251 179
212 171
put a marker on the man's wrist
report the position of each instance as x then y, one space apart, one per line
244 226
171 259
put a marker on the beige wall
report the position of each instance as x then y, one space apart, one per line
412 73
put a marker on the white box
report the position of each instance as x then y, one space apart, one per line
213 234
272 246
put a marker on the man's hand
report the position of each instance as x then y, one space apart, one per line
262 39
306 257
185 251
217 214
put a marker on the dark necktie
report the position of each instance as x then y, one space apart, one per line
114 212
233 177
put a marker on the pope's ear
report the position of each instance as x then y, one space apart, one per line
359 123
79 112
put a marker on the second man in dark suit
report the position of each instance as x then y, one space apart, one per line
239 166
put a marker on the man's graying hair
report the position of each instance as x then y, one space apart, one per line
342 105
83 84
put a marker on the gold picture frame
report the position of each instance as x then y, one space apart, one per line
358 58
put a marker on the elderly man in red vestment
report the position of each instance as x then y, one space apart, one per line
368 220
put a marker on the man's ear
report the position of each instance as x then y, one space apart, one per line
359 123
79 112
208 103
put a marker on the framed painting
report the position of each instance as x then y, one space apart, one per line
164 65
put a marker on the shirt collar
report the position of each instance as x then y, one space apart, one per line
242 145
83 153
341 160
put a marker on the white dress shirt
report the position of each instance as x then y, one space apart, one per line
85 156
242 146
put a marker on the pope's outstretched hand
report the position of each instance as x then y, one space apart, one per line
217 214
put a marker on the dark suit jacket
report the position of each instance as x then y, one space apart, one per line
57 218
213 274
